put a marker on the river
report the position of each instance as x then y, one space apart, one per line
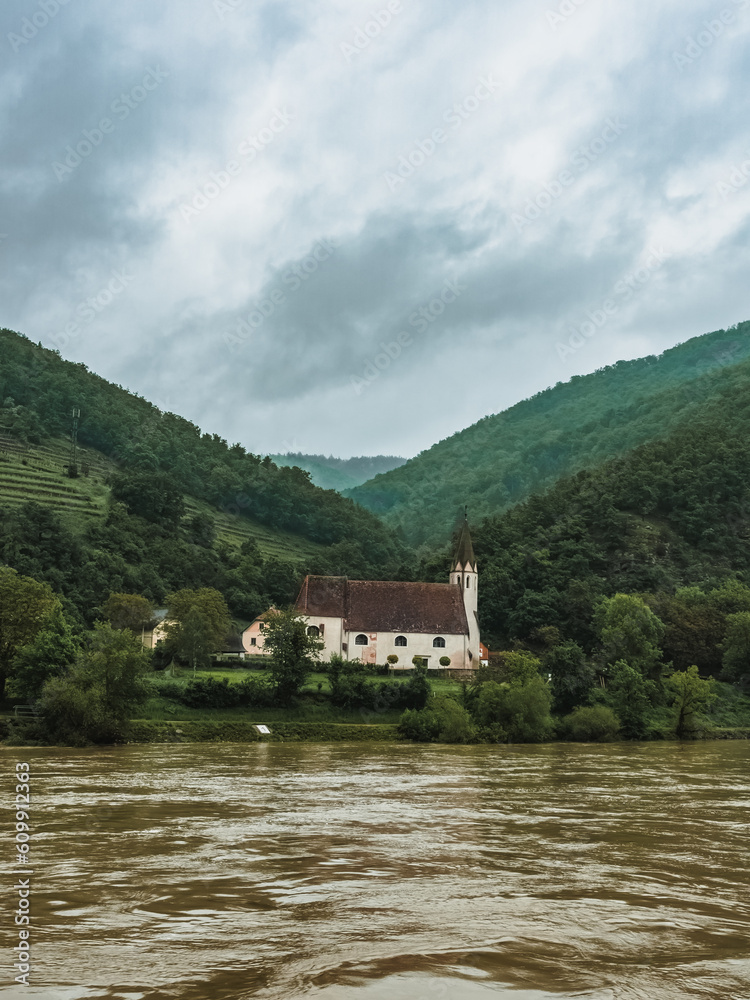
366 872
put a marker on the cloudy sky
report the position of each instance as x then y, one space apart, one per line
356 227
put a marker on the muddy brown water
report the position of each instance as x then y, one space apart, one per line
403 872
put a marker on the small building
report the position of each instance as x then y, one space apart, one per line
253 639
232 647
157 631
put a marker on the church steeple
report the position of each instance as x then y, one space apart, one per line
465 574
465 550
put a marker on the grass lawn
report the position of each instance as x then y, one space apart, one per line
312 706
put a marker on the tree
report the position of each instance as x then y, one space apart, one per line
129 611
154 496
630 695
96 698
26 607
572 676
417 689
736 647
521 712
52 651
592 723
630 631
294 653
442 721
692 694
197 624
515 667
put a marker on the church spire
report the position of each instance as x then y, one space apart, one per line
465 550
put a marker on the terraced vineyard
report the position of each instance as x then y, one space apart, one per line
38 473
273 543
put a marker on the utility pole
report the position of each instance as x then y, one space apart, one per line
73 460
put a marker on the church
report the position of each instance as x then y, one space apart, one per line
370 620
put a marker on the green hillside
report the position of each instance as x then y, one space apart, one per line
669 515
37 473
339 473
505 458
154 504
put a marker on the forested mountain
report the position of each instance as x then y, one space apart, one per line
505 458
670 519
159 479
339 473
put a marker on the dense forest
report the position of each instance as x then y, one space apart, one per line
42 389
340 473
670 520
504 459
148 543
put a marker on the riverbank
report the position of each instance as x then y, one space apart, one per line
193 731
241 731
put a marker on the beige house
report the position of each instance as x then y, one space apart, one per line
371 620
253 639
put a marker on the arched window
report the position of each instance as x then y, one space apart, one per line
361 640
400 640
439 642
313 630
468 582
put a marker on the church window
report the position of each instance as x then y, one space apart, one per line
468 582
439 642
400 640
361 640
313 630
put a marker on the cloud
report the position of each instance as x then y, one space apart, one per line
534 153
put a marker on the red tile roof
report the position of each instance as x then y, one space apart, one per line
376 606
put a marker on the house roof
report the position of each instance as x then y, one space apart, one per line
259 618
232 644
377 606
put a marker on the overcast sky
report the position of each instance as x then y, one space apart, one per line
238 209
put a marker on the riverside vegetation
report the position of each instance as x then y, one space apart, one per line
618 598
87 687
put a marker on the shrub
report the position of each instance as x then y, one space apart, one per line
443 721
523 711
592 724
209 692
417 689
